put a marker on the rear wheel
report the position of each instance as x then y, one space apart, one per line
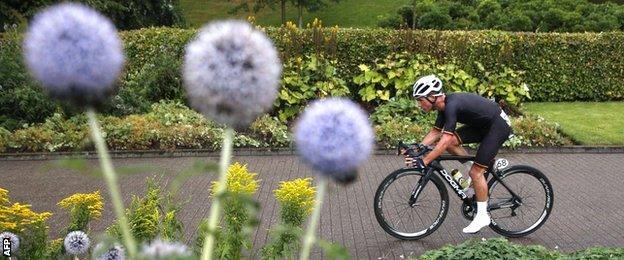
517 217
402 220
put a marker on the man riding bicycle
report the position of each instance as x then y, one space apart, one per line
483 121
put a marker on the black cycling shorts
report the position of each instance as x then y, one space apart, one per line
491 139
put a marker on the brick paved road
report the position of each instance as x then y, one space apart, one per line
588 206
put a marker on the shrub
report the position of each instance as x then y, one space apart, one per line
151 216
296 200
271 131
83 208
494 248
400 107
307 78
400 128
394 76
535 131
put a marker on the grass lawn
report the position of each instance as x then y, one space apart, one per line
346 13
588 123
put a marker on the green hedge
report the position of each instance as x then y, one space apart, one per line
559 67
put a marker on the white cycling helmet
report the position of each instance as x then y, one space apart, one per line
427 85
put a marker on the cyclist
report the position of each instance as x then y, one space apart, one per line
483 121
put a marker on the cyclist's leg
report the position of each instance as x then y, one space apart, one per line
464 135
499 132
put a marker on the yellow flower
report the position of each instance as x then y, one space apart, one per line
240 180
93 202
298 192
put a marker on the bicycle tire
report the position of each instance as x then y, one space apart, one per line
498 225
392 179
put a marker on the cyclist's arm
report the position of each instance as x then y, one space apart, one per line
432 137
450 122
445 141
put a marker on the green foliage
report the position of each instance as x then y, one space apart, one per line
151 216
307 78
557 67
400 128
21 99
494 248
596 253
395 75
296 200
535 131
125 14
400 107
270 131
4 138
535 15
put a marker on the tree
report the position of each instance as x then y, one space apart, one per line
257 5
310 6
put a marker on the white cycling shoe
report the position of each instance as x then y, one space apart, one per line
477 224
481 220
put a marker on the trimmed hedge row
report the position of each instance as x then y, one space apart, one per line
559 67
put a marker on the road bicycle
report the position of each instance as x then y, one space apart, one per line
411 203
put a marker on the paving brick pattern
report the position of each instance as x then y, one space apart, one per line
588 204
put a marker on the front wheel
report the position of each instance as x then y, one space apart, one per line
522 215
408 221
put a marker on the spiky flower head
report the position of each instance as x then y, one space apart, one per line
231 72
15 242
334 136
116 252
160 249
76 243
75 52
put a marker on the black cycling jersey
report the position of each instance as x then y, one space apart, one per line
484 121
469 109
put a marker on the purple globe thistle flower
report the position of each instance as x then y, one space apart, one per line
76 243
114 253
231 72
159 249
15 242
334 136
75 52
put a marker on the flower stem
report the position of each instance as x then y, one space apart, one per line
226 153
309 236
111 181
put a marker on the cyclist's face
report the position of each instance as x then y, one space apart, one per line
425 104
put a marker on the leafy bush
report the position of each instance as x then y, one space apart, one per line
573 16
151 216
83 208
271 131
4 138
400 107
125 14
296 199
558 67
394 76
535 131
400 128
494 248
307 78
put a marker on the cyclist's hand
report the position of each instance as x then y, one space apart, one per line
409 161
415 162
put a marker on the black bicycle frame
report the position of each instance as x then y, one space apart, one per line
437 167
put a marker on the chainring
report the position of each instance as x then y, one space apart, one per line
468 208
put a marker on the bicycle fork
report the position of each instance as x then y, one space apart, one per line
419 187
